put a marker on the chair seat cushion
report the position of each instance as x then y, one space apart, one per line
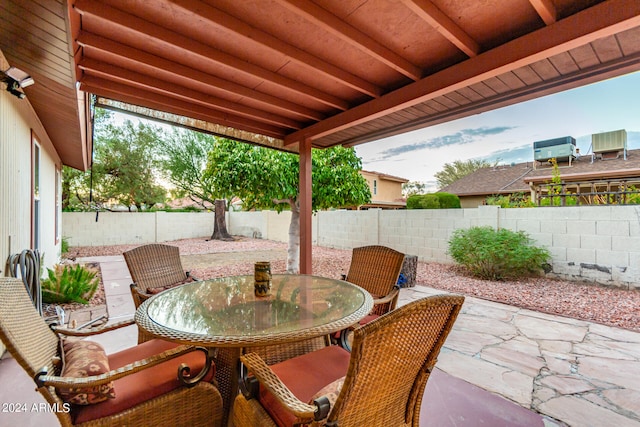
83 359
143 385
305 375
366 319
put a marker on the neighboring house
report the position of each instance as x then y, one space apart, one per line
386 190
591 179
474 188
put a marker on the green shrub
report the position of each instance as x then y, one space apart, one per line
413 202
433 201
448 200
496 254
429 201
69 283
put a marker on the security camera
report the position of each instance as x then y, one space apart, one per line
12 88
15 80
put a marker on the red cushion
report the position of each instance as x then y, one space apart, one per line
143 385
368 318
305 375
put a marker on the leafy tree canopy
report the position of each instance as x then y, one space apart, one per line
268 179
124 169
184 158
451 172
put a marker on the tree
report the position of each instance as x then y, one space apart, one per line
75 189
452 172
124 166
184 160
413 187
268 179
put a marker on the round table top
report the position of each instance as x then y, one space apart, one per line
225 312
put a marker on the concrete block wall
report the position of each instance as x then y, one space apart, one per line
122 228
347 229
591 243
108 228
269 225
183 225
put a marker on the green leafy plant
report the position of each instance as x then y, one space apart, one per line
515 200
64 245
69 283
556 191
448 200
433 201
429 201
497 254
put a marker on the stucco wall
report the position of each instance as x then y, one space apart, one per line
387 190
598 244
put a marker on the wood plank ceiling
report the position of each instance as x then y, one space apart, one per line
341 71
34 37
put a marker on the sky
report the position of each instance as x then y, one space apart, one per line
507 134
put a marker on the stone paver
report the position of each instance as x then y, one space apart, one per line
577 372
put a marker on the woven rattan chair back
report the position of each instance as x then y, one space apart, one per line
376 269
154 265
27 336
34 346
391 360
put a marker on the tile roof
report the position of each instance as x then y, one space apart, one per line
516 178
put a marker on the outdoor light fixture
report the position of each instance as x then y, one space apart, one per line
16 79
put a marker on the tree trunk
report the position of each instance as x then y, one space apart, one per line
293 251
220 224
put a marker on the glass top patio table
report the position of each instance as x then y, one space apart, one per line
224 312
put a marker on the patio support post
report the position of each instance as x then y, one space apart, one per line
305 206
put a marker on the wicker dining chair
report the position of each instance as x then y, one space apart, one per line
154 268
375 269
380 383
144 385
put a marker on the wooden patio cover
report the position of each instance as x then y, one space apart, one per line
296 74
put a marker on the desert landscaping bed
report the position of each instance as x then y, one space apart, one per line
579 300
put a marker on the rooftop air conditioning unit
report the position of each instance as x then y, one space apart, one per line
558 148
609 141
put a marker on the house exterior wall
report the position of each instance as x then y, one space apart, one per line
598 244
385 190
471 201
18 122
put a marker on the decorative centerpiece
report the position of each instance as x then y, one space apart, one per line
262 279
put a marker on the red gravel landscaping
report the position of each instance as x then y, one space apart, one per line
579 300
